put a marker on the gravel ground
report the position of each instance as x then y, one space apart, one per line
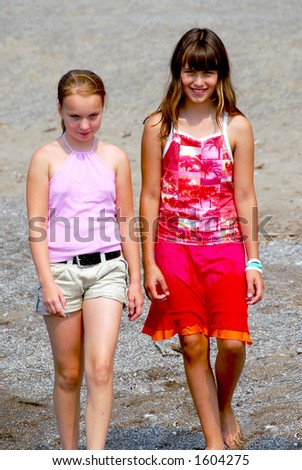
129 44
152 406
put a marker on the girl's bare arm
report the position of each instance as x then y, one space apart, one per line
151 166
129 232
37 209
242 140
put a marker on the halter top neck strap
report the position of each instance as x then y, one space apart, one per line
75 151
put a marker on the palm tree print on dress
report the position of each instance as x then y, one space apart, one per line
197 200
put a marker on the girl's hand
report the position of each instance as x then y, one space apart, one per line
255 287
53 300
136 301
155 284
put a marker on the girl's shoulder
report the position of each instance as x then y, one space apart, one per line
111 154
152 128
110 150
238 123
154 120
239 130
47 151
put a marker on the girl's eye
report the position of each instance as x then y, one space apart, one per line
93 116
210 72
74 116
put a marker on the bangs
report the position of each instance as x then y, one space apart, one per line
200 58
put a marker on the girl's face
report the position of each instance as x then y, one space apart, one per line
198 85
82 116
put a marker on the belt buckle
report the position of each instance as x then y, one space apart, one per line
78 261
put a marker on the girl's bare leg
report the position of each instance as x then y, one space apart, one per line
202 386
229 365
66 337
102 318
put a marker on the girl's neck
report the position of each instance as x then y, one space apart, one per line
196 111
77 146
199 121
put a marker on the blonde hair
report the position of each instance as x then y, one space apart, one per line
82 82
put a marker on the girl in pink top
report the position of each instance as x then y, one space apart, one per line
199 225
82 238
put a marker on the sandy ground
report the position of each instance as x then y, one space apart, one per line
129 45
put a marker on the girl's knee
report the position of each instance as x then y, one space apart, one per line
99 374
231 347
195 347
69 379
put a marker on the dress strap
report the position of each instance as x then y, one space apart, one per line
67 144
225 121
169 140
225 135
75 151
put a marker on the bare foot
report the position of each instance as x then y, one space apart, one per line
231 431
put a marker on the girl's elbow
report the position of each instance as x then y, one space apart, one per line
245 196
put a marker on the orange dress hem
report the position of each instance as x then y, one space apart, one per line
192 330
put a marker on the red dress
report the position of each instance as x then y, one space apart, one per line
199 246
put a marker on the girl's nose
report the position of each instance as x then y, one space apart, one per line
84 124
199 79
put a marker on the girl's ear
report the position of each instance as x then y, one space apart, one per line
59 110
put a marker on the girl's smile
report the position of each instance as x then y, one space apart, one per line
198 91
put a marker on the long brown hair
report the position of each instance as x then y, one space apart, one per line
201 49
82 82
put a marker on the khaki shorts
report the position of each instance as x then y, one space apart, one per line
106 279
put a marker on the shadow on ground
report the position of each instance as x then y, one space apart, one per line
156 438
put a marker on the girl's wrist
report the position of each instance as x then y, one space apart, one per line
254 264
134 281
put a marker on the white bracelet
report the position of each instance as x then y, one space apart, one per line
254 260
248 268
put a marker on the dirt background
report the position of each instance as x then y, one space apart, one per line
129 44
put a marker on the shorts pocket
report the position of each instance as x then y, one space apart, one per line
57 269
125 264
